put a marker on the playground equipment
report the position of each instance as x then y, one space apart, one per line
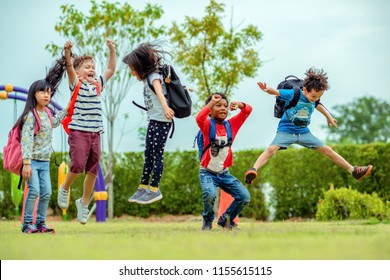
62 170
16 194
6 92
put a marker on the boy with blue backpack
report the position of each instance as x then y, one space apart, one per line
293 125
217 157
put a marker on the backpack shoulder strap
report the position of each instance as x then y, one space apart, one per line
150 85
228 130
97 85
294 101
48 112
38 125
212 135
213 130
74 97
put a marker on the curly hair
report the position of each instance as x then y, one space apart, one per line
316 79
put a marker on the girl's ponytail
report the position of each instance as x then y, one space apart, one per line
55 74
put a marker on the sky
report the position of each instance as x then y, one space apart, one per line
348 39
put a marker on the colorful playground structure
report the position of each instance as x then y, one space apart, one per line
8 91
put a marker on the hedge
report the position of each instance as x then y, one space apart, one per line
299 177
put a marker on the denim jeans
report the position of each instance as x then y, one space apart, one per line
38 186
210 181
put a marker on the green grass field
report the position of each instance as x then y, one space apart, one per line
136 239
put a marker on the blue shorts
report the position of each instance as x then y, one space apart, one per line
285 139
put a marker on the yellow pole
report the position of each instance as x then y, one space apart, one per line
62 170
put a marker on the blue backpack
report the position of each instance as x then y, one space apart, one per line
215 147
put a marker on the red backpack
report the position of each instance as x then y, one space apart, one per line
13 160
66 121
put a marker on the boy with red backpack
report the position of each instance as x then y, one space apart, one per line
84 124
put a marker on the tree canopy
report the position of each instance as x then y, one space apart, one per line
364 120
216 59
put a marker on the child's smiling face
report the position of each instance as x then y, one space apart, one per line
87 71
220 110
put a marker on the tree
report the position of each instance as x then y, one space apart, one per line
215 58
365 120
88 32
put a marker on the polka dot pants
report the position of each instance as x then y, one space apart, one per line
156 137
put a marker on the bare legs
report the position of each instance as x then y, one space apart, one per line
89 184
325 150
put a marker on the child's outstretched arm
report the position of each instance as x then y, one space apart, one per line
328 116
69 63
112 60
268 90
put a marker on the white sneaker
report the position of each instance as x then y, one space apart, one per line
82 211
62 198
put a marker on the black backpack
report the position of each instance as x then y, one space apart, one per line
290 82
178 97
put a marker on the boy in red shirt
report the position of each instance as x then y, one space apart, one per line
218 156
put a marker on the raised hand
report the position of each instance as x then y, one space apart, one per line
263 86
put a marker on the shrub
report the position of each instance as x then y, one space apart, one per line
343 203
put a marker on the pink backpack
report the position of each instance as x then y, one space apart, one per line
13 160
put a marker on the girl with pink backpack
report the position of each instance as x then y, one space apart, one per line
36 146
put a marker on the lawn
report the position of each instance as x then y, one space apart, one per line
159 239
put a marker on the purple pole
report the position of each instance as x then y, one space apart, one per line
100 186
100 197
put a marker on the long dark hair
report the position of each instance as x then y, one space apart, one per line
51 82
145 59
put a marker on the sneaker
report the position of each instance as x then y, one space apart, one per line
227 223
233 225
43 228
250 175
224 222
140 192
62 198
359 172
29 228
149 197
82 211
207 226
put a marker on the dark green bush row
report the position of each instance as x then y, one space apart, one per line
299 178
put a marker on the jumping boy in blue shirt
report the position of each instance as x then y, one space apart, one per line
293 126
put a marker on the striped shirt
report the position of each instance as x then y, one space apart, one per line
87 114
